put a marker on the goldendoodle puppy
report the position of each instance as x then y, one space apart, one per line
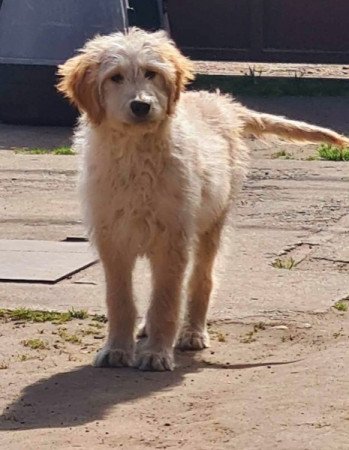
160 169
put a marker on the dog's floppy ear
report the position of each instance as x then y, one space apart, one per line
80 85
184 72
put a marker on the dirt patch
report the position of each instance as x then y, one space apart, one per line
258 386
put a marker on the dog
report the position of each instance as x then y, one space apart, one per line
161 168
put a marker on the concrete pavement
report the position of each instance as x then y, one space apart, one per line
291 207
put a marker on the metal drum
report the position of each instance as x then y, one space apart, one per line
37 35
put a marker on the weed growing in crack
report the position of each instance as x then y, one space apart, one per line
341 305
284 263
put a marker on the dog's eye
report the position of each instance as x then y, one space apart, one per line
150 74
117 78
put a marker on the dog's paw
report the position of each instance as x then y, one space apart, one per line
193 340
155 361
113 357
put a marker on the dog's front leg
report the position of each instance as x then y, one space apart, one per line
119 348
168 262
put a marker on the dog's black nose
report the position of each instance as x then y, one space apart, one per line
140 109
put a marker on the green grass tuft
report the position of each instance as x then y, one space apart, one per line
286 263
333 153
23 357
282 154
31 315
45 151
341 306
248 338
36 344
78 313
96 325
63 151
100 318
72 338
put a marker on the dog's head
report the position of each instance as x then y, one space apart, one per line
132 79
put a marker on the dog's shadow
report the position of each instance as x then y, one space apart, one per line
86 394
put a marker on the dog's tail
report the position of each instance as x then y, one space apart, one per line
259 124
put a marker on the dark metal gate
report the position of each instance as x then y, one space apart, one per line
262 30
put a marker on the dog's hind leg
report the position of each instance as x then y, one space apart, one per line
194 334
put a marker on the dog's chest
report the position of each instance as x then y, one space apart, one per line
134 183
135 189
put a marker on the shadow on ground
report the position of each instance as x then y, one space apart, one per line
87 394
18 136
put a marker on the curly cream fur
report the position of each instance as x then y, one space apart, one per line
159 187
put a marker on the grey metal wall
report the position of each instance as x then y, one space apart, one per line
262 30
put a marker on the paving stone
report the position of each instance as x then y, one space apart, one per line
42 261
